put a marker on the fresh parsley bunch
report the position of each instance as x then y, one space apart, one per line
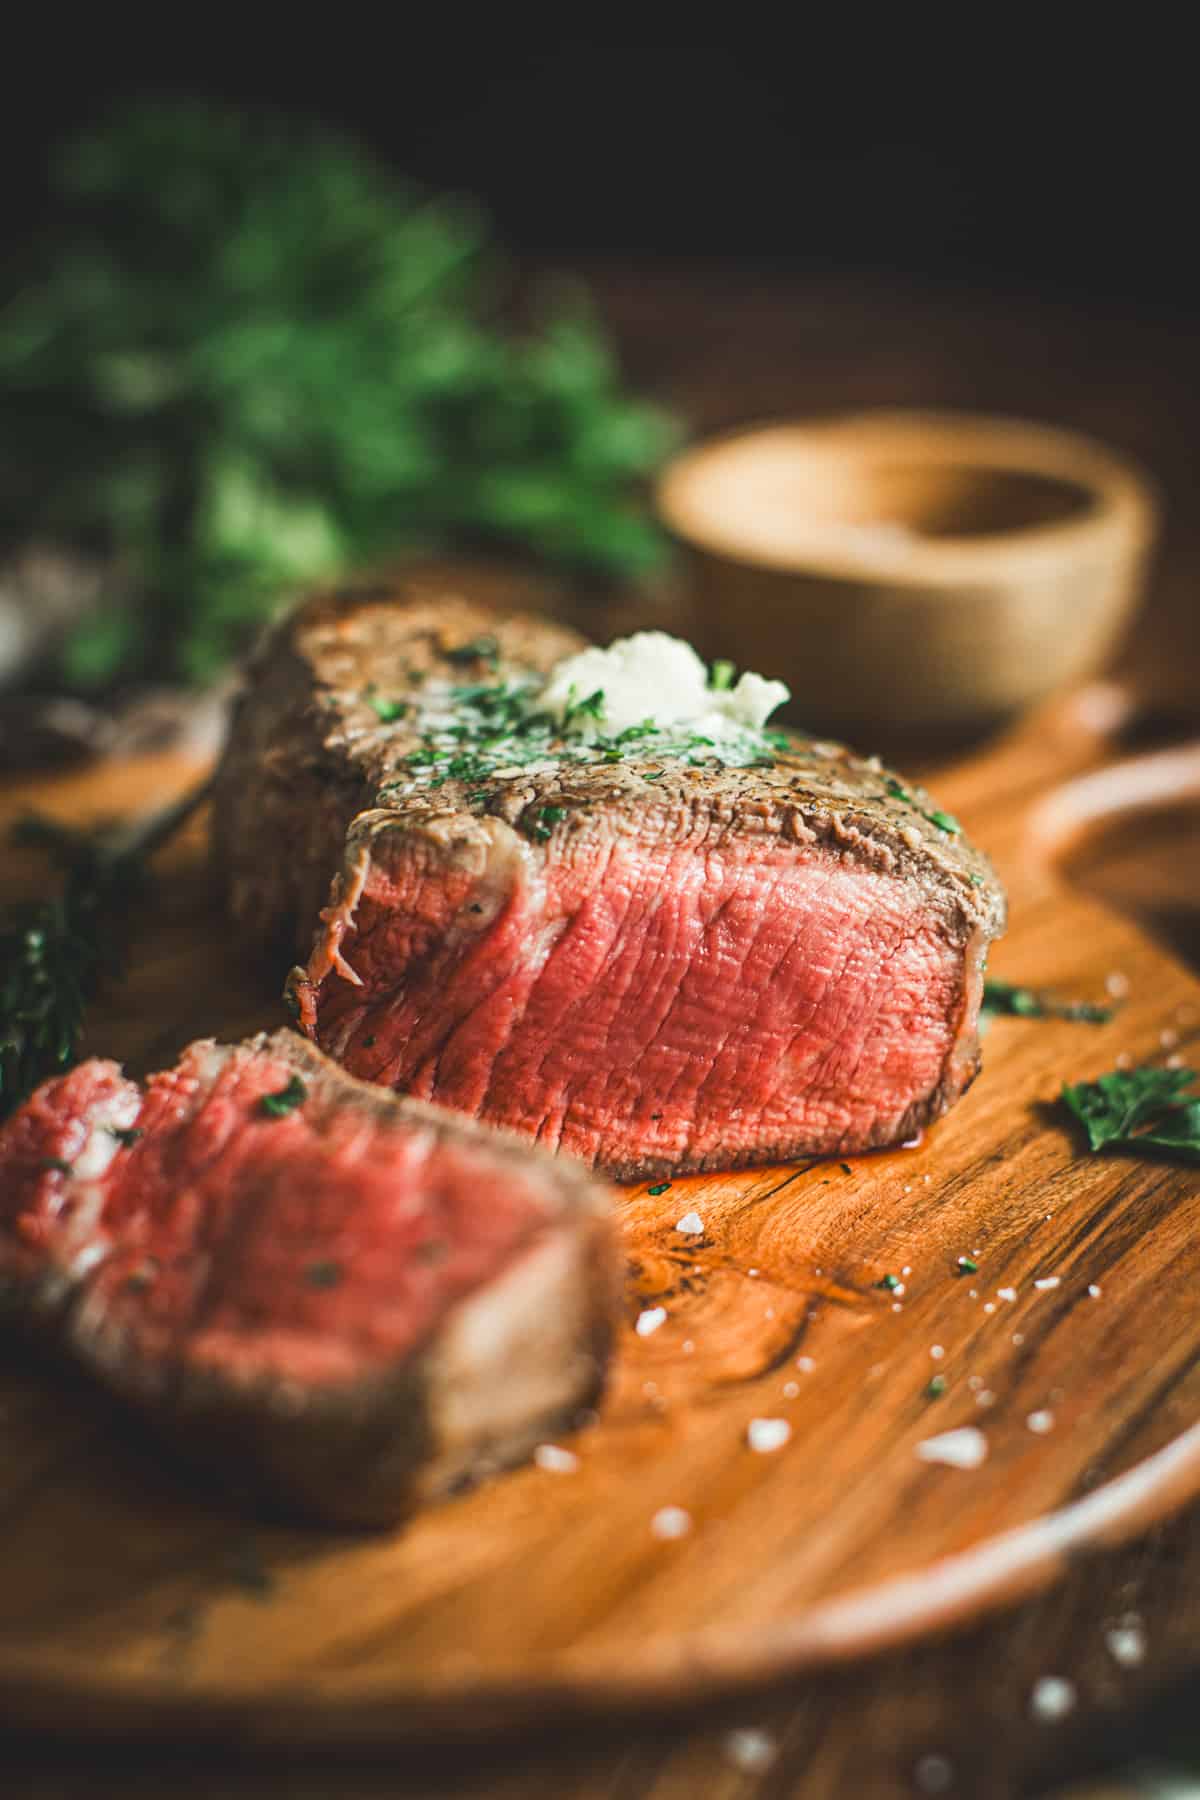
245 356
1140 1110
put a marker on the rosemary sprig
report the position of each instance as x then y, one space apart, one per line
56 952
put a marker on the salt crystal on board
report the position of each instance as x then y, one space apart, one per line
1040 1422
671 1522
558 1461
751 1751
1126 1644
1047 1281
1117 984
692 1225
1093 1291
791 1389
805 1364
765 1435
934 1775
937 1352
965 1448
650 1319
1006 1294
1053 1697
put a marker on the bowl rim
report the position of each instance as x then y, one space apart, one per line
1121 519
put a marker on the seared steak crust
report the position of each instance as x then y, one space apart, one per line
345 1305
688 967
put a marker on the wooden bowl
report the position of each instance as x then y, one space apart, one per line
910 572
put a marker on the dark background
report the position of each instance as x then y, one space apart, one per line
990 149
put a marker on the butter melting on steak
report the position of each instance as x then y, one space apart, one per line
655 961
341 1300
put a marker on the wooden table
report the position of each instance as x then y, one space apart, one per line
724 349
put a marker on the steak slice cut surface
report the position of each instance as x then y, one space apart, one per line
650 958
342 1301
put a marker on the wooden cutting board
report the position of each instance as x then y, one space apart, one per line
131 1598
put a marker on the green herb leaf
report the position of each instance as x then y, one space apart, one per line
945 822
1139 1110
190 383
966 1265
55 954
936 1387
277 1106
128 1135
323 1274
721 679
1009 999
890 1282
387 710
480 649
661 1188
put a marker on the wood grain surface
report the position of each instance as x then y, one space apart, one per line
132 1597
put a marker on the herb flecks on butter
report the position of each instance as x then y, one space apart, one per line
648 697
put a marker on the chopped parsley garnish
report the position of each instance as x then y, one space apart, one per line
545 820
660 1188
845 1168
369 1042
387 710
323 1274
1139 1110
591 708
966 1265
482 730
1009 999
722 677
277 1106
55 1165
936 1387
943 820
141 1277
889 1282
125 1134
480 649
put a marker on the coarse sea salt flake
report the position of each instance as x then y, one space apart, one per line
934 1775
1040 1422
1093 1291
1047 1281
691 1224
751 1751
671 1522
1006 1293
558 1461
765 1435
650 1319
965 1448
1053 1697
1126 1644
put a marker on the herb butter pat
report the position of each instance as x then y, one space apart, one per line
653 676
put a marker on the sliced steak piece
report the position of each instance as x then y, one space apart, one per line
341 1300
654 962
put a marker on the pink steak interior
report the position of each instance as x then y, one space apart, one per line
637 1003
316 1245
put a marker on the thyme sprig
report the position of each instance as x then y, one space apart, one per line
56 952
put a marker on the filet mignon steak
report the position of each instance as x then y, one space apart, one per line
343 1300
648 958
